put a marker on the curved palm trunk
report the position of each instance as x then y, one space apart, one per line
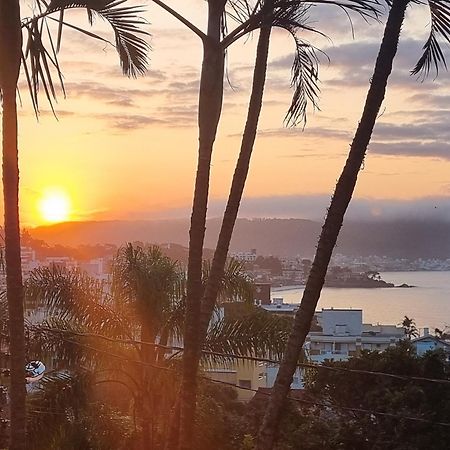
333 223
238 183
210 106
10 53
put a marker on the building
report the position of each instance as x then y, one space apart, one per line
248 375
99 268
342 334
60 262
261 293
336 335
28 260
245 256
427 343
278 307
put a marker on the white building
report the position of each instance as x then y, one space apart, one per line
337 335
63 262
96 268
245 256
28 260
343 335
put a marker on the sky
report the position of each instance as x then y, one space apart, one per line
126 149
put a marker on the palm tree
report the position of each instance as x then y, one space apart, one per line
87 324
10 52
291 16
409 325
37 62
432 57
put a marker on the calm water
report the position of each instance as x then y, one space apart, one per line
428 303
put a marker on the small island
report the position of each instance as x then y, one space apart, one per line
344 277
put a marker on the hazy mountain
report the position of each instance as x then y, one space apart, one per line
283 237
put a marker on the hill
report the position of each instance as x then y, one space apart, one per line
283 237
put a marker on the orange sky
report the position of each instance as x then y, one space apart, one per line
125 148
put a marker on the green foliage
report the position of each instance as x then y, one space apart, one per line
221 420
40 58
256 333
270 262
62 417
97 391
409 325
429 401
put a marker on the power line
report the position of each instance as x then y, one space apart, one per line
325 405
248 358
333 406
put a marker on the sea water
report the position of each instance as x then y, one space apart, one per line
428 303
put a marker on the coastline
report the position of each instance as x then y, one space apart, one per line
428 303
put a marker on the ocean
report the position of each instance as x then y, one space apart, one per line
428 303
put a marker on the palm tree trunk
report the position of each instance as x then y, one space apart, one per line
210 106
147 356
333 223
238 183
10 53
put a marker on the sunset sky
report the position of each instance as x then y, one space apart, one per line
126 148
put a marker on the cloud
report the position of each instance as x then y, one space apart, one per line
106 93
433 100
412 131
129 121
314 207
355 62
308 132
437 149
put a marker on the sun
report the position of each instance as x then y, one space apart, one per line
54 206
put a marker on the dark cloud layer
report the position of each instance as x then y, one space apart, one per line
314 207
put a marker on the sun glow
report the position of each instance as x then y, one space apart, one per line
54 206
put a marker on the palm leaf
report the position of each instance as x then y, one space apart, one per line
257 334
305 82
40 63
73 295
235 284
433 56
292 16
147 281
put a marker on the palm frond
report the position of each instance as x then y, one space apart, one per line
433 56
239 10
40 59
292 16
67 346
54 349
54 408
73 295
257 334
235 284
148 281
304 81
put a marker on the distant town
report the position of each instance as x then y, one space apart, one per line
345 271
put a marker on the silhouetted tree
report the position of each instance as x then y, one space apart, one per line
432 56
37 61
409 325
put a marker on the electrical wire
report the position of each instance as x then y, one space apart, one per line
326 405
248 358
334 406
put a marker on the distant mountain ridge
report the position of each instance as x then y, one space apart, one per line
283 237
